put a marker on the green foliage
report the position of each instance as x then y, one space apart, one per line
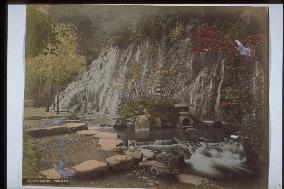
73 116
30 157
156 107
177 31
232 94
38 31
58 63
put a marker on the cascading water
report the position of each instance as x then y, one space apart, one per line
216 160
219 160
104 85
217 105
59 166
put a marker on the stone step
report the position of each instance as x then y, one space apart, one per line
120 162
109 144
92 167
73 121
53 174
106 135
88 132
56 130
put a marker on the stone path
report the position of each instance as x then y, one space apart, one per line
107 141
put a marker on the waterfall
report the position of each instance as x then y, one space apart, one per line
218 113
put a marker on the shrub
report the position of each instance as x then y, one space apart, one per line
156 107
73 116
30 158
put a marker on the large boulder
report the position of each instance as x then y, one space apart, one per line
120 162
142 121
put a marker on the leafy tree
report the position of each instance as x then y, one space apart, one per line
38 31
59 63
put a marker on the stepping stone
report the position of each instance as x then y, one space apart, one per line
192 179
52 130
56 130
106 135
50 174
120 162
73 121
109 144
88 132
76 126
37 132
90 167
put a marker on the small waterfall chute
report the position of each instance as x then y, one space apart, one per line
59 166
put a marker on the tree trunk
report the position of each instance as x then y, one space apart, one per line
47 100
57 99
38 99
53 92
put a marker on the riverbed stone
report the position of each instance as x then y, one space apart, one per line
157 169
142 121
50 174
174 161
120 162
90 167
109 144
192 179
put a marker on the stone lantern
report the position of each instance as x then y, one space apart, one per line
185 119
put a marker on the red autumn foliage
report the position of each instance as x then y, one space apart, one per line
208 37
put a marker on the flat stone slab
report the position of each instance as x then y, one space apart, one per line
192 179
90 167
88 132
76 126
120 162
73 121
109 144
106 135
50 174
56 130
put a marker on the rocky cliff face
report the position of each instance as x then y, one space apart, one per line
123 74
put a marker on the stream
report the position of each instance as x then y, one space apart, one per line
209 153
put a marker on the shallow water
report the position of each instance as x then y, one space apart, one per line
215 158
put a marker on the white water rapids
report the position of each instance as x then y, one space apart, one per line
207 159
